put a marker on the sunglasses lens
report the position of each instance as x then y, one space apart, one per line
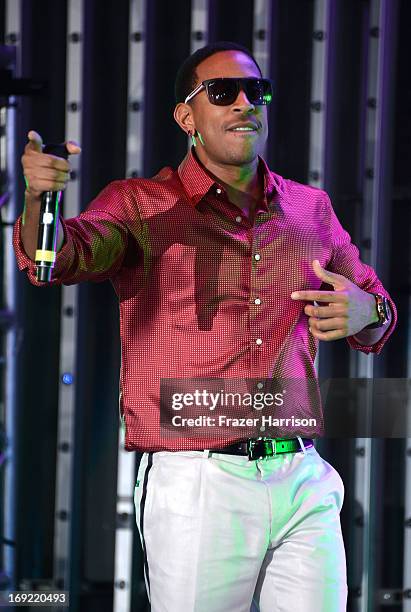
222 92
258 91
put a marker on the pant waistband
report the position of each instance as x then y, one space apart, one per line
257 448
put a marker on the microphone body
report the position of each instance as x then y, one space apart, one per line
48 223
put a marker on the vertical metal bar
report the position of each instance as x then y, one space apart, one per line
262 39
126 467
69 311
319 84
362 365
136 72
199 30
362 496
319 79
262 34
199 24
13 29
375 188
9 215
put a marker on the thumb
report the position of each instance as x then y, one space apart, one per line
35 141
73 147
328 277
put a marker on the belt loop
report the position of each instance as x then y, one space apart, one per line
206 453
302 445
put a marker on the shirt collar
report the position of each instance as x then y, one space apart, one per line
197 182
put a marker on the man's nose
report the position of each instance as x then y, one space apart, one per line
242 102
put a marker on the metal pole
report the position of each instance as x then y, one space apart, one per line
262 39
9 215
318 117
199 24
69 314
373 228
126 467
199 30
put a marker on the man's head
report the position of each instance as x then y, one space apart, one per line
216 124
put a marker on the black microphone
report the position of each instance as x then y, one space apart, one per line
48 223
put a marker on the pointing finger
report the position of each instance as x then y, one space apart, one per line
320 296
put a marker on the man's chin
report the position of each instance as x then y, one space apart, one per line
240 158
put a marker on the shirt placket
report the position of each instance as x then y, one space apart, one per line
257 333
257 337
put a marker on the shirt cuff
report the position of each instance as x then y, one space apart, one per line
370 339
64 257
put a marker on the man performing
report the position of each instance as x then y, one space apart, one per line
218 267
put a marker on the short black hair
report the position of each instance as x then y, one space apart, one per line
187 77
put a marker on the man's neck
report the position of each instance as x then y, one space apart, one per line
244 184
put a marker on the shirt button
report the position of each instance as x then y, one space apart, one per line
218 191
257 301
258 341
238 219
260 385
257 256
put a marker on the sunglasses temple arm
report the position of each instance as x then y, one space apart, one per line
194 92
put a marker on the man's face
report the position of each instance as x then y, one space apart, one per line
221 143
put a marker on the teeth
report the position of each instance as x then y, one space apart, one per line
243 129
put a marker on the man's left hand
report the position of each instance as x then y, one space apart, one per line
347 310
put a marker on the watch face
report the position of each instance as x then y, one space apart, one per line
382 310
385 309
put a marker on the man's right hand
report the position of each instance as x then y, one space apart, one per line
44 172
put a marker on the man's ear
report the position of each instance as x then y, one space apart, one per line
184 117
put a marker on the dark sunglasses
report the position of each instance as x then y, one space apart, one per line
224 91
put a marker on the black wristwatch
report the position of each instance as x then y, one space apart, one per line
383 311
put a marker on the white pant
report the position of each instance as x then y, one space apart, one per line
221 533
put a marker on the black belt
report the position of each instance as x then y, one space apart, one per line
257 448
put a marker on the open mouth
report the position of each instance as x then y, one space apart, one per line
243 130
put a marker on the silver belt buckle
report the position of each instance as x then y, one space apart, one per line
256 448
